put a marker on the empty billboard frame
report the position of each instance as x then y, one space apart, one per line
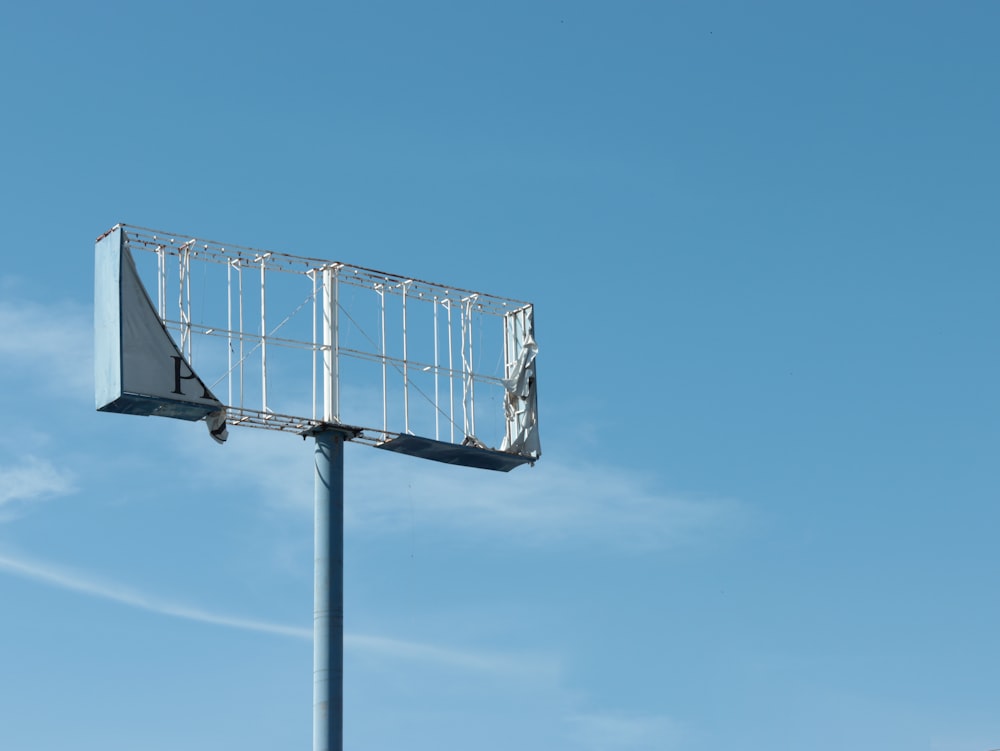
196 329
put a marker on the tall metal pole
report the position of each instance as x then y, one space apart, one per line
328 601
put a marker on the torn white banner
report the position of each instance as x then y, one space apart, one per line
139 369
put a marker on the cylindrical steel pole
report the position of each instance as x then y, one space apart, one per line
328 602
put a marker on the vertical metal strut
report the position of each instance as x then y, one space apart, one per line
406 366
331 345
315 341
451 376
385 393
437 373
263 337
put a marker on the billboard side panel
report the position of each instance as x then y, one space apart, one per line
139 370
107 319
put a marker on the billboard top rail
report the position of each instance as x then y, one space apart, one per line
201 249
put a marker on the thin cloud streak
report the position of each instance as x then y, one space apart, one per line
519 665
76 582
552 503
605 731
32 479
378 645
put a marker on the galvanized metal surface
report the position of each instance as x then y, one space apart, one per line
328 597
450 453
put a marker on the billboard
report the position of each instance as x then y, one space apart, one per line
195 329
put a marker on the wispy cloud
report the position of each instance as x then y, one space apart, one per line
90 585
554 502
51 342
275 467
619 731
513 665
30 480
387 647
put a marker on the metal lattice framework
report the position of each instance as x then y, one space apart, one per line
390 355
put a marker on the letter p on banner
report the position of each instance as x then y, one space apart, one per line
138 368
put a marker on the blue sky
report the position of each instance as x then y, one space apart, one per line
762 243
